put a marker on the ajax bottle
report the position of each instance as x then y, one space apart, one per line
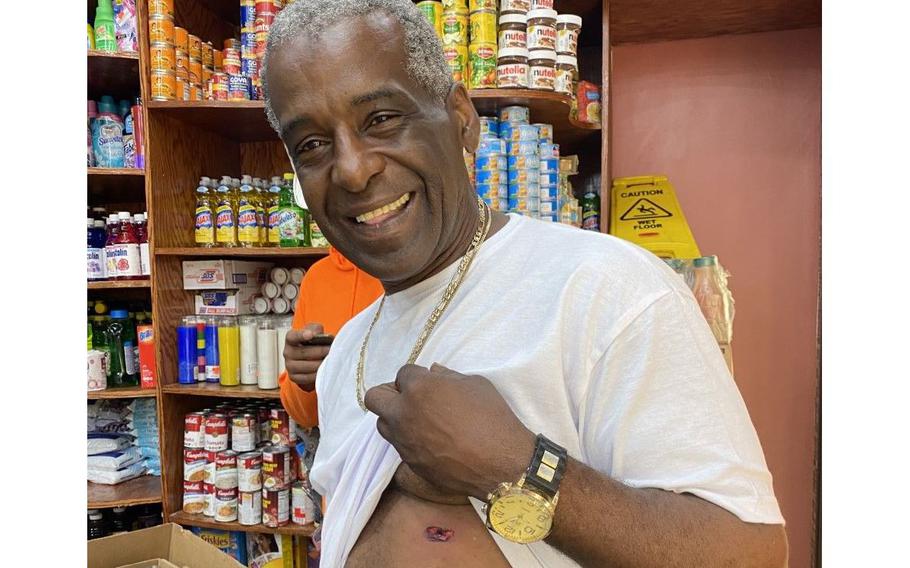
225 214
261 205
205 219
272 211
247 217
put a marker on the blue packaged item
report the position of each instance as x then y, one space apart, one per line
549 192
548 150
521 190
489 162
522 148
547 207
548 178
503 190
486 191
515 132
232 543
523 176
550 165
487 177
249 66
519 114
544 132
503 162
247 39
490 145
247 16
523 162
212 360
489 126
187 360
524 204
503 204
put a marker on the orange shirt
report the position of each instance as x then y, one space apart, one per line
332 292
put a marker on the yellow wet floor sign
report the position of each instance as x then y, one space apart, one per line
645 211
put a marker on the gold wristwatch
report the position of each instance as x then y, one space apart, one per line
523 512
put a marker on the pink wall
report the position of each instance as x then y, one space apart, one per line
735 122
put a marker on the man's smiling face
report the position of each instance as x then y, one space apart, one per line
379 160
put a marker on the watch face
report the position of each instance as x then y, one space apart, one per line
521 517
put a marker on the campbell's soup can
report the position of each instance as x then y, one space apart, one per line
164 85
265 425
181 39
194 462
163 57
226 469
194 430
303 510
225 505
216 432
244 432
276 466
161 8
249 471
275 507
209 467
281 432
209 490
193 497
219 86
161 29
249 508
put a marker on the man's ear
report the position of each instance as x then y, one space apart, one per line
459 104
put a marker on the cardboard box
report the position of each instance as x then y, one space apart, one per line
217 274
148 376
168 545
226 302
232 543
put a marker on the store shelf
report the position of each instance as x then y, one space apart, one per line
634 21
145 489
119 284
115 74
115 172
546 107
243 252
209 522
216 390
123 392
242 121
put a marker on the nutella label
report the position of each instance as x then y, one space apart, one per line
513 75
543 78
564 81
515 6
567 41
513 38
542 37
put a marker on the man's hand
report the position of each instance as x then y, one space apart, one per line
302 360
454 430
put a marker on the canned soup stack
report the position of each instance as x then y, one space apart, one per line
242 463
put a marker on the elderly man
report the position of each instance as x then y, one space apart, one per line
523 394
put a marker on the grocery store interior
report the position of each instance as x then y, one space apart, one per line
691 128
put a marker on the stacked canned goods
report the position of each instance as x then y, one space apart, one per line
233 351
432 9
490 166
240 463
455 37
482 48
162 52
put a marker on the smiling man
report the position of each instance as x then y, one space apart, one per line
523 394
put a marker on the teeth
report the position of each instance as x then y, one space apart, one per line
397 204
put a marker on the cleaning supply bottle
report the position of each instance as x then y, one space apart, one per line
124 350
273 212
92 114
291 219
138 132
205 230
91 37
261 206
112 232
145 266
129 141
95 261
107 135
247 218
105 29
590 211
126 250
225 214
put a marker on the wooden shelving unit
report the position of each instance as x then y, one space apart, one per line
209 522
119 284
187 140
127 392
138 491
113 74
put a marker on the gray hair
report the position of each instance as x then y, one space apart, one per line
424 62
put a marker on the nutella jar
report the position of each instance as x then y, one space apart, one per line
542 30
566 74
541 4
514 6
512 69
513 31
542 70
568 26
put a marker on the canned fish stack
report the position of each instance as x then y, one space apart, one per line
232 351
491 171
242 462
181 63
455 38
482 48
433 11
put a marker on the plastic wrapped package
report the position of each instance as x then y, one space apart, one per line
708 281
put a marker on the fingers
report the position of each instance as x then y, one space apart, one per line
382 400
409 374
301 336
306 382
305 352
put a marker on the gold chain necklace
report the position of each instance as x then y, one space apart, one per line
447 295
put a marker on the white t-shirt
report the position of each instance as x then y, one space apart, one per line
591 340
